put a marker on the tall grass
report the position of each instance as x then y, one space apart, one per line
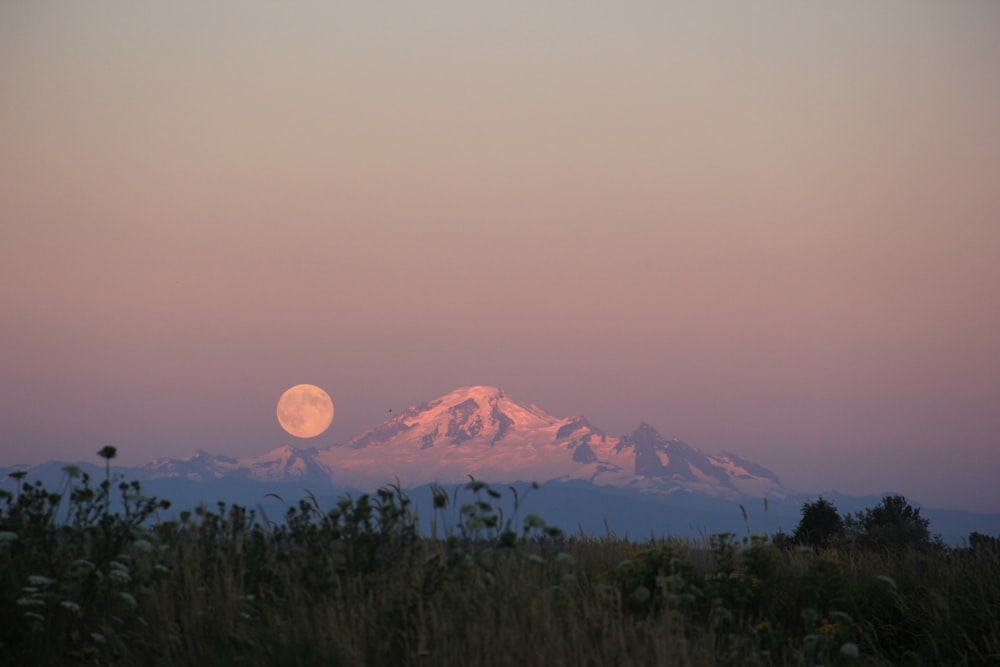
357 584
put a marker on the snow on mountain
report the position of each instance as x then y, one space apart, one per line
673 464
285 463
481 431
200 467
475 431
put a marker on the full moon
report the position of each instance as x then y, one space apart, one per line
305 411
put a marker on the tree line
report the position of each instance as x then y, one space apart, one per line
894 524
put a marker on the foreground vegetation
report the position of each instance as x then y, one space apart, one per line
90 575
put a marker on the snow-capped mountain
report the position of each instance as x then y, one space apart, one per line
477 431
284 464
481 431
673 462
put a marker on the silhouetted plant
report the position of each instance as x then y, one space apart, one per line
357 584
981 542
107 452
821 524
893 524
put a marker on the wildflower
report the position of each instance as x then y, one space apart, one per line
565 558
120 576
143 546
30 602
39 580
829 629
81 568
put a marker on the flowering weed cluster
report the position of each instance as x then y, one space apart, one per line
357 584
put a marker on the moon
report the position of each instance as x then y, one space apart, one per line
305 411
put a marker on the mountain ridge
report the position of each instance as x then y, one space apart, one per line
641 482
480 430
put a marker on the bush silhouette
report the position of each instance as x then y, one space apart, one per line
891 525
821 524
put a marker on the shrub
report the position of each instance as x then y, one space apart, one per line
821 524
893 525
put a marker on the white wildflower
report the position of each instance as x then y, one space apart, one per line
70 606
81 567
119 576
31 602
850 649
39 580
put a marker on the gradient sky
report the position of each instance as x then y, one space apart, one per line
770 228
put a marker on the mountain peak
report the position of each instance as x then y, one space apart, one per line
476 391
477 430
480 430
645 433
478 415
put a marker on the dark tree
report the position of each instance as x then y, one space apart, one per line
821 524
893 524
980 542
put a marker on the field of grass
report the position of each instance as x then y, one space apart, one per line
85 580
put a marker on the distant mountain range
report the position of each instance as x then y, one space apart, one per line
640 483
481 431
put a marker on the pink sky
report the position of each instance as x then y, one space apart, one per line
770 229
